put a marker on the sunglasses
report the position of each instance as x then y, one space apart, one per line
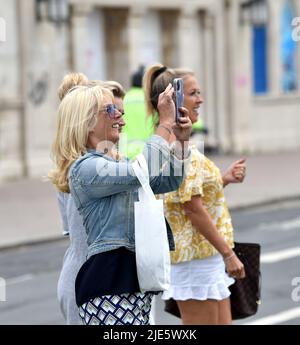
112 111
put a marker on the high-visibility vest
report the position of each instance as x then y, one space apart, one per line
138 128
199 125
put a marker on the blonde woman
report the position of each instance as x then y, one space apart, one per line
104 188
72 222
200 220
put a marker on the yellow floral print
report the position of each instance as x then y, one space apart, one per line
203 178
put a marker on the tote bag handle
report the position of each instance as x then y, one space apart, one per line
140 168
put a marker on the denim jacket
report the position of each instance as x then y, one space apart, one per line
105 190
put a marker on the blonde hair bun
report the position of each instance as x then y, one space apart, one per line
69 81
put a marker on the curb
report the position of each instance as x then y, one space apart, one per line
32 242
61 238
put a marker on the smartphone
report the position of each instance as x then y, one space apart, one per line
178 95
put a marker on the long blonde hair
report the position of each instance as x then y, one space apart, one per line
156 79
77 116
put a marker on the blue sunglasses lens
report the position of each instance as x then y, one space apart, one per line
111 110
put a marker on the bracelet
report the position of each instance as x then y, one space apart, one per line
166 128
229 257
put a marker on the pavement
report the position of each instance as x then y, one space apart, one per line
29 212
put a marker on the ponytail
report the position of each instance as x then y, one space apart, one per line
155 81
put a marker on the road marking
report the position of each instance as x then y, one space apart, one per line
287 225
20 279
277 318
280 255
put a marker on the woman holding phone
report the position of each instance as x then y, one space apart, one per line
104 188
203 263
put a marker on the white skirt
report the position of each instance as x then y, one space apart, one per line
199 279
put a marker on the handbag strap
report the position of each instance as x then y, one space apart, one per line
140 169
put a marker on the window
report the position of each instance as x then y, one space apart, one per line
259 51
288 49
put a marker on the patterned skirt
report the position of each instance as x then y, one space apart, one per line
124 309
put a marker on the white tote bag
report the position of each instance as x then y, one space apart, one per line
151 239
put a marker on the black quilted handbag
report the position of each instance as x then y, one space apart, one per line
171 307
245 293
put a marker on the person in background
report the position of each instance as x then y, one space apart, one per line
75 254
203 263
138 128
69 81
72 221
104 188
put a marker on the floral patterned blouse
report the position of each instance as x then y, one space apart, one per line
203 178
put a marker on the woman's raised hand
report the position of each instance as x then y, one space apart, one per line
166 106
183 129
235 173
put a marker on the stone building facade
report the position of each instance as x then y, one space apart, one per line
248 69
